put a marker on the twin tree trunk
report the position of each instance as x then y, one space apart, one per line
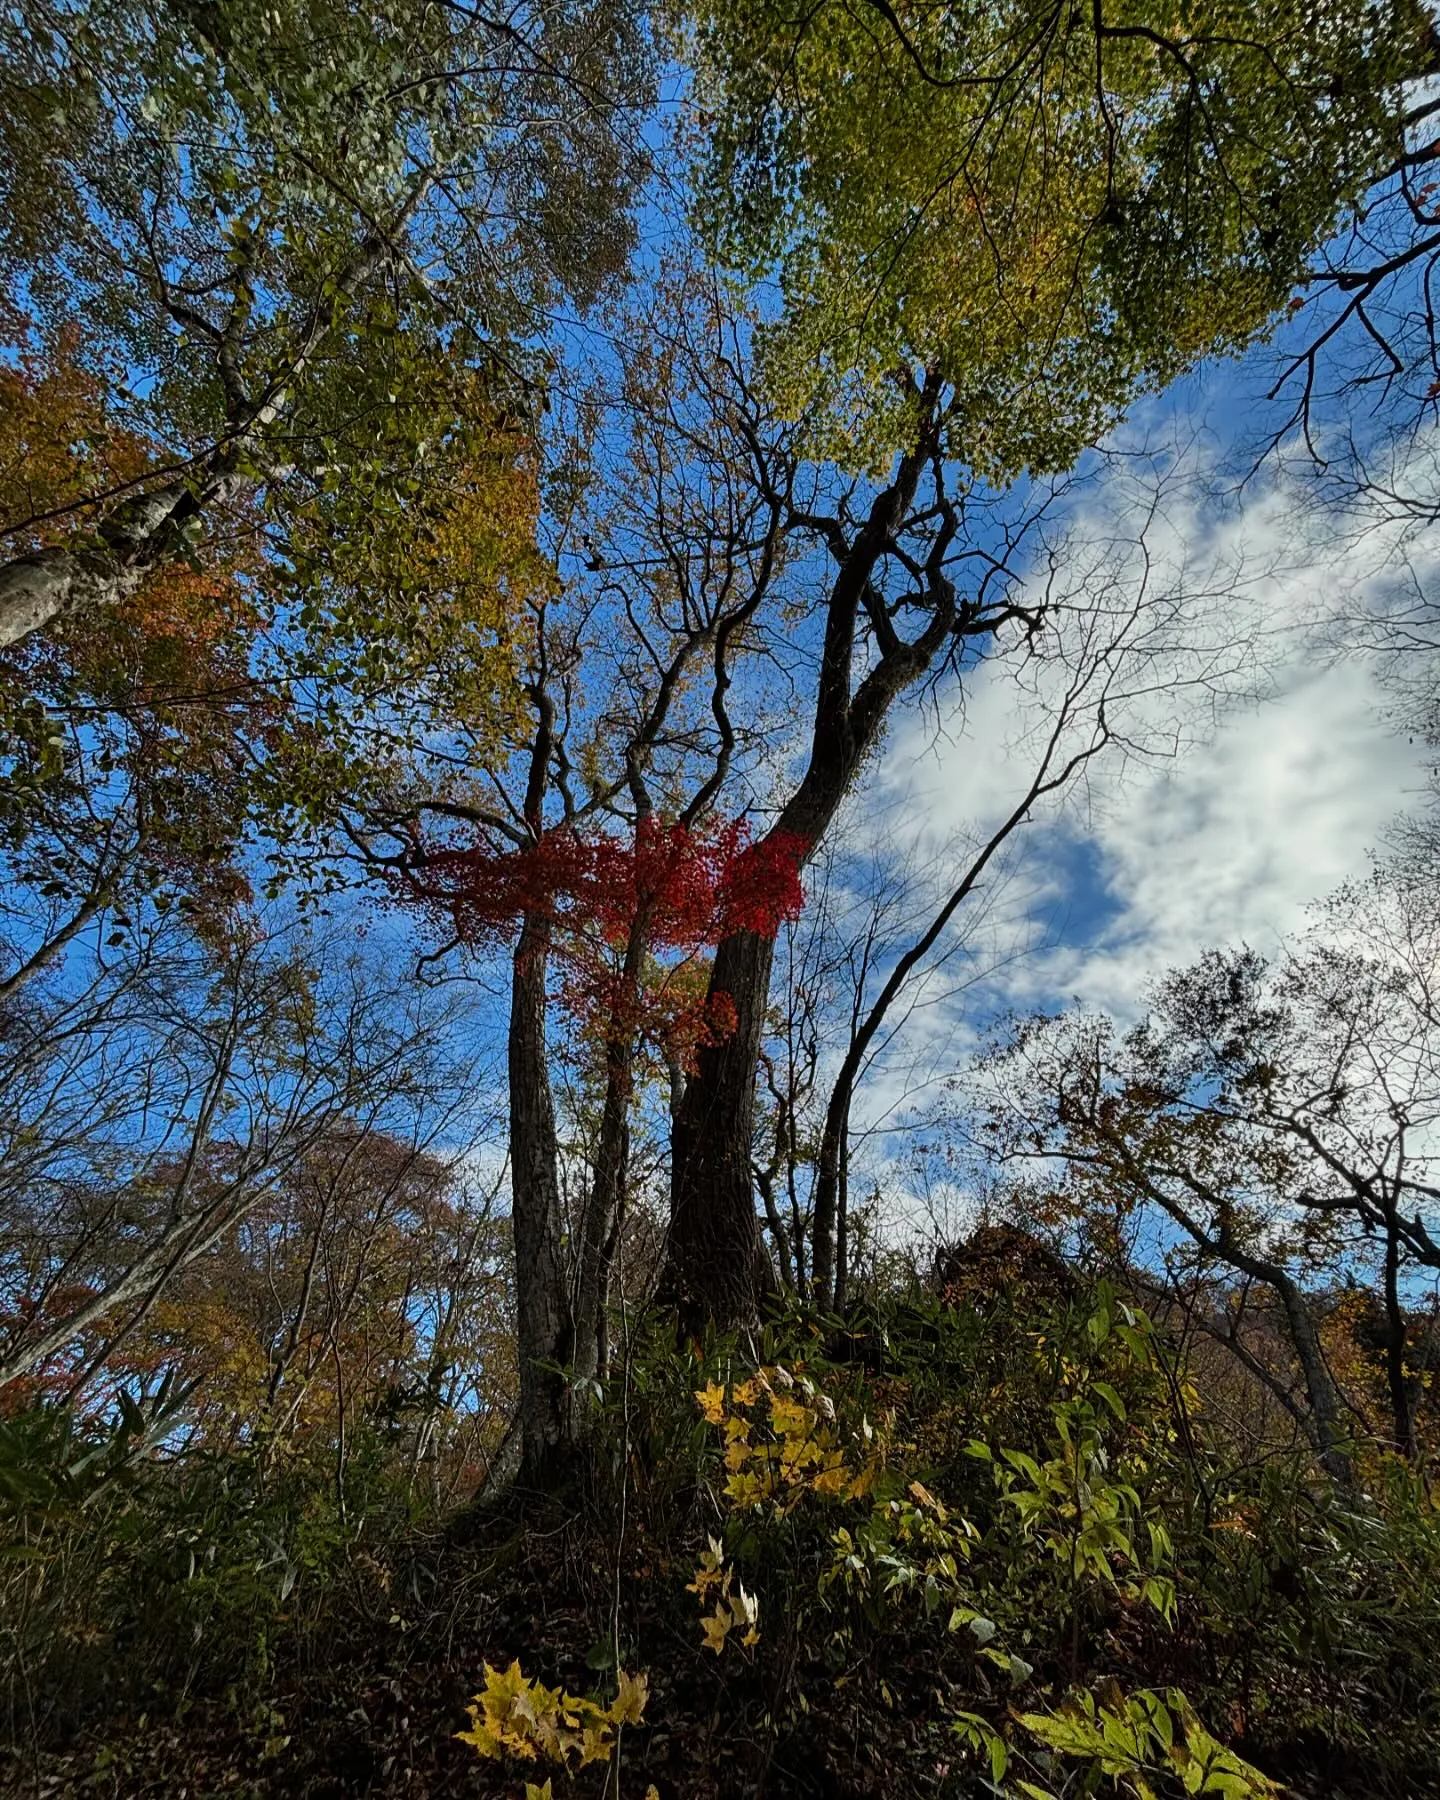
562 1304
718 1271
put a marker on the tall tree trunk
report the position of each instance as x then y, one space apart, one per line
604 1208
830 1229
718 1269
544 1327
842 1227
605 1203
1328 1426
825 1227
138 537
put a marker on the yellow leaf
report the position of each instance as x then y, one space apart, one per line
711 1401
629 1704
715 1626
863 1482
480 1737
749 1489
791 1419
834 1481
595 1745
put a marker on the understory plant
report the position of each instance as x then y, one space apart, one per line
1014 1523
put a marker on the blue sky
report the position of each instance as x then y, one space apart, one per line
1252 797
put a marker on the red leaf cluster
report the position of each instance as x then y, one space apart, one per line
684 887
691 886
761 887
49 1379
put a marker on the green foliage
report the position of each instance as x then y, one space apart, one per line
1030 1507
1072 1505
997 1546
1134 1741
132 1578
52 1471
288 264
1056 205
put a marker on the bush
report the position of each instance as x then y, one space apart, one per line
138 1576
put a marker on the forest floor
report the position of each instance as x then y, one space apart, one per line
370 1704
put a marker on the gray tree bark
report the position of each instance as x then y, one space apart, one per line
544 1327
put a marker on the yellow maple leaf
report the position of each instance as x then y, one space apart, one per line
737 1454
715 1626
832 1482
480 1737
595 1745
711 1401
791 1419
749 1489
628 1706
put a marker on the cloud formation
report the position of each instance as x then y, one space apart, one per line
1259 779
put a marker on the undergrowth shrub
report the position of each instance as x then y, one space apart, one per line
998 1546
1007 1535
138 1577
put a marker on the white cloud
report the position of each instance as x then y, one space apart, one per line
1285 777
1263 768
1234 842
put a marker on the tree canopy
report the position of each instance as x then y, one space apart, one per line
587 615
303 245
1056 206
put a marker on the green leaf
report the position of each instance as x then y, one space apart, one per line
1110 1397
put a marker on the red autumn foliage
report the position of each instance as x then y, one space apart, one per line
689 887
52 1378
693 886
